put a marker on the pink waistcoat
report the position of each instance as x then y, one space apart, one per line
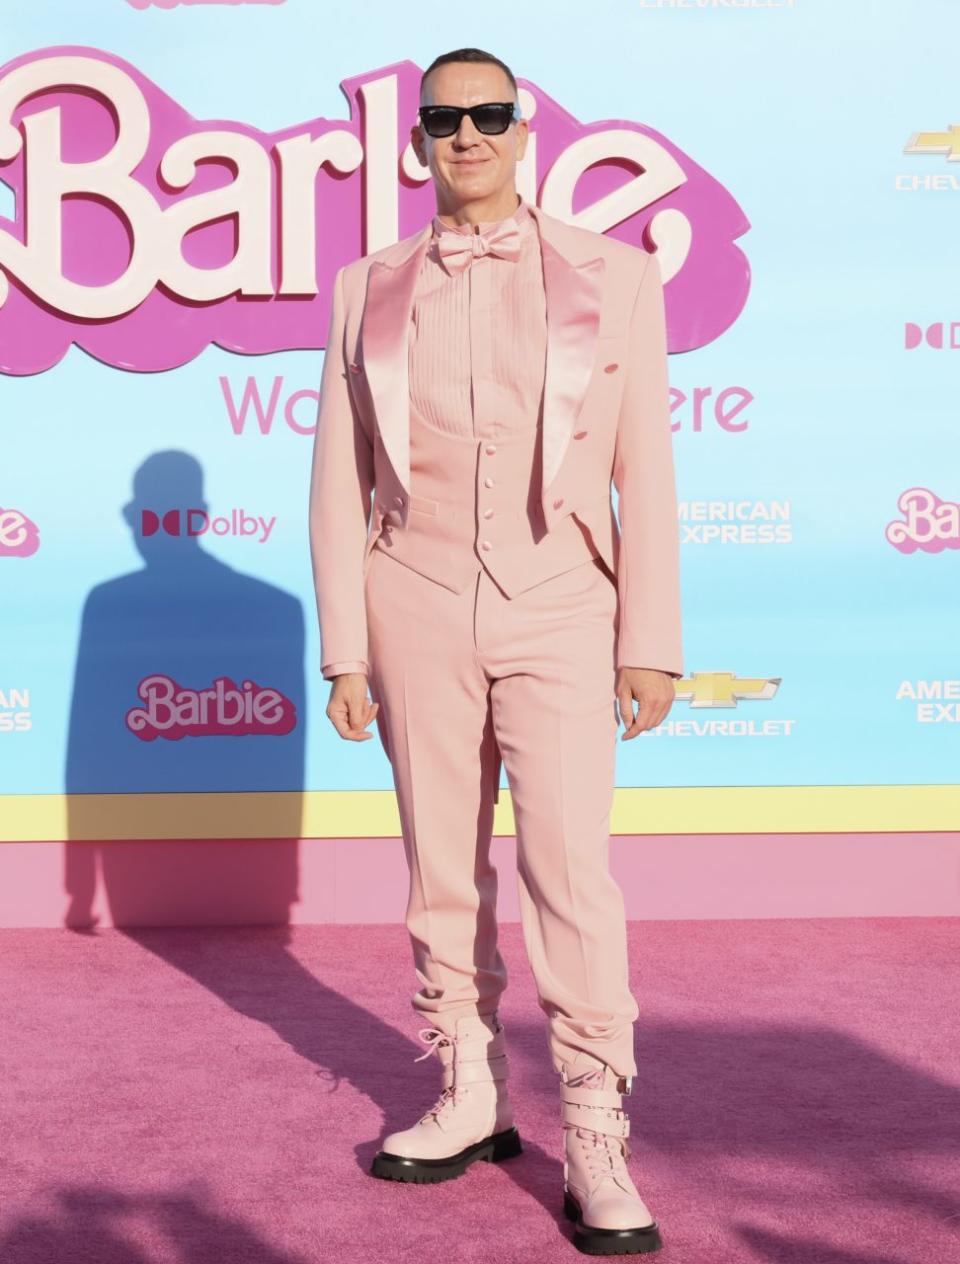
476 503
477 342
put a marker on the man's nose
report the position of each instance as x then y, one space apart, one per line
467 133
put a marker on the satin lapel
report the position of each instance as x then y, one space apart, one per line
384 339
572 291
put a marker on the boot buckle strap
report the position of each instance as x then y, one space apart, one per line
478 1072
479 1050
584 1096
576 1116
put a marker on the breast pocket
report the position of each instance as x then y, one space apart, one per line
422 504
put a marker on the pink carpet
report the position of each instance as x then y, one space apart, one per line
217 1096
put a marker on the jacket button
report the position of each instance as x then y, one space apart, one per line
485 544
490 449
354 368
398 499
558 503
609 368
579 434
488 481
488 513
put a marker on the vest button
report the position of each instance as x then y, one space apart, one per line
609 368
398 499
490 449
488 513
580 434
488 481
485 544
558 503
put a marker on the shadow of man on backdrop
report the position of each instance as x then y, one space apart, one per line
182 622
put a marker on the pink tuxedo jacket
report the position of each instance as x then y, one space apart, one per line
605 377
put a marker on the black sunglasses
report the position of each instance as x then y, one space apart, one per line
492 118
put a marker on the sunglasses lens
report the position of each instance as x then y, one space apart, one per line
493 119
440 121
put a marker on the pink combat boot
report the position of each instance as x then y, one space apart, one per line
610 1217
472 1119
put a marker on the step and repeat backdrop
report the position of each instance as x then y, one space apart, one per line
179 182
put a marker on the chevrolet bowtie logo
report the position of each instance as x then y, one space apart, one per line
725 689
947 142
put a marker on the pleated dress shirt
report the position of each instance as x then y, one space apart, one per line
478 338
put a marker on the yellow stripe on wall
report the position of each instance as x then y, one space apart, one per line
373 813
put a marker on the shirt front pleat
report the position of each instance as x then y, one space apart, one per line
477 347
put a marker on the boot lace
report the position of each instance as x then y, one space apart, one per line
433 1037
605 1155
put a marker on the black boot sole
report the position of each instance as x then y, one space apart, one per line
594 1241
492 1149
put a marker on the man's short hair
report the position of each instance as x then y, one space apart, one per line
468 54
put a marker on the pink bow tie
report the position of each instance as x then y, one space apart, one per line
458 249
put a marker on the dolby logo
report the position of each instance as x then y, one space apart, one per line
194 522
941 335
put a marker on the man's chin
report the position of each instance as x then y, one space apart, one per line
477 188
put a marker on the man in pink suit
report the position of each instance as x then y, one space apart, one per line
484 380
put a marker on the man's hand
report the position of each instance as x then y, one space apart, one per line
349 709
653 689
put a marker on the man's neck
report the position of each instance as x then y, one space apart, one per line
450 217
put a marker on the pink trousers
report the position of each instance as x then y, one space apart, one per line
456 676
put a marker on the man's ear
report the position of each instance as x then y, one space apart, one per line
522 138
418 143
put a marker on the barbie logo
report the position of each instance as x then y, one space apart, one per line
19 537
173 712
929 523
141 234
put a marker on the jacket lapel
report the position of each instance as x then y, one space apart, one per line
572 289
